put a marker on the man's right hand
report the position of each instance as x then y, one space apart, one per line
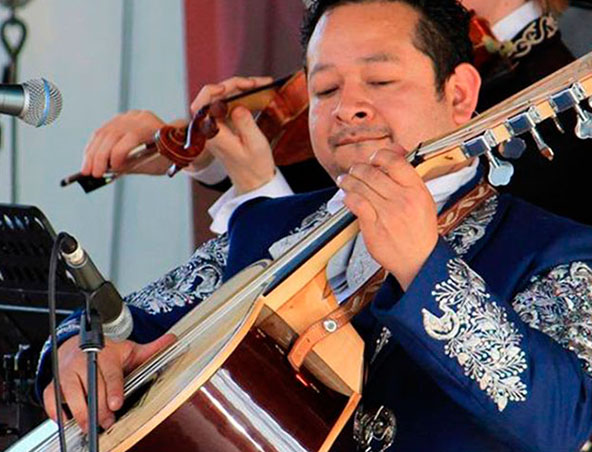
115 361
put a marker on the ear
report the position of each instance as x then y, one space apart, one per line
462 90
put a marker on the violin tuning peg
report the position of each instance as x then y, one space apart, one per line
590 101
500 171
584 126
173 169
544 148
513 148
558 124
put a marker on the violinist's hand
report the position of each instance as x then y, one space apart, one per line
239 145
396 212
110 145
114 361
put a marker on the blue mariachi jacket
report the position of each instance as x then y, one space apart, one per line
489 349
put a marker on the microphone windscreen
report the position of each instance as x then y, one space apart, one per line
43 102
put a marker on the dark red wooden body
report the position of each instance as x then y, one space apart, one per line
252 400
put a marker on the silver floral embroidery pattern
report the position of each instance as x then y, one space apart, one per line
295 236
478 334
361 265
559 304
472 229
188 284
381 342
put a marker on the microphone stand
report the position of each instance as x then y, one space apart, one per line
92 341
10 75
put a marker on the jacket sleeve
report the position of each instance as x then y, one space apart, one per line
520 366
159 305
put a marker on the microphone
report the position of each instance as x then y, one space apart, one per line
37 102
115 315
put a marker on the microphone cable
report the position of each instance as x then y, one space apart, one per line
53 264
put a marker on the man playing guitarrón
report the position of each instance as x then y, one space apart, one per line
476 341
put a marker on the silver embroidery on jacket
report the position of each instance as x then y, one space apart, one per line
478 334
188 284
295 236
374 429
472 229
559 304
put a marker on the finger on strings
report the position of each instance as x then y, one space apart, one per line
351 184
247 128
396 166
74 389
375 178
227 88
141 353
361 208
49 403
362 199
226 144
237 85
207 95
112 374
106 416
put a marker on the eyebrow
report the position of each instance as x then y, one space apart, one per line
375 58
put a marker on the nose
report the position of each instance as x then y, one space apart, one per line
353 107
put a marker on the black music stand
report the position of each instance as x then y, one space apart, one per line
26 239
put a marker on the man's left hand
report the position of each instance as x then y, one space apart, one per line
396 212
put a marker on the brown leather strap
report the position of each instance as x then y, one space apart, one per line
456 214
341 316
335 320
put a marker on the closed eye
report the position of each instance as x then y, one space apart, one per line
326 92
381 82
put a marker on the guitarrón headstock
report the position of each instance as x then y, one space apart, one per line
501 126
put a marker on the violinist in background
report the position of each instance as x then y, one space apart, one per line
239 153
529 37
476 341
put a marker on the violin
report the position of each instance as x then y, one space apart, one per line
282 108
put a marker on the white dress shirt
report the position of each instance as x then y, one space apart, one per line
508 27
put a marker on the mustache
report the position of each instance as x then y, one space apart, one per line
360 131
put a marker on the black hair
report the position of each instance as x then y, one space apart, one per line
442 32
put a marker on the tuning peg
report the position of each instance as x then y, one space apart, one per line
558 124
590 101
513 148
500 171
173 169
544 148
584 125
